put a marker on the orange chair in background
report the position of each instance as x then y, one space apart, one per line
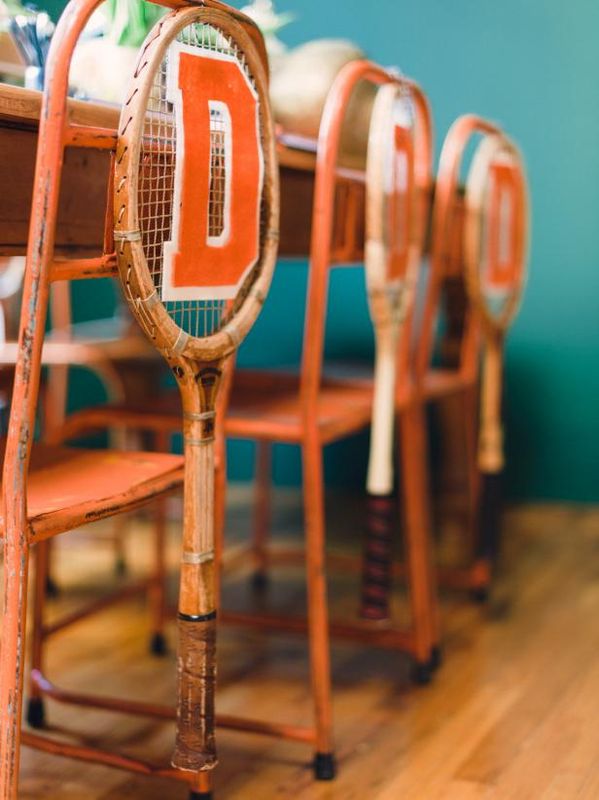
311 411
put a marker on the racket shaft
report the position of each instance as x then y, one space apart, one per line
380 463
491 455
490 445
195 747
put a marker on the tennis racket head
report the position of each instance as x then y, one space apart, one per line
196 185
496 231
393 235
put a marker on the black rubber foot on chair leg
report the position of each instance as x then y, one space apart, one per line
480 595
436 658
158 645
36 716
421 673
260 581
200 796
51 587
325 768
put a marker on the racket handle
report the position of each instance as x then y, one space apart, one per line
195 747
377 561
490 446
379 480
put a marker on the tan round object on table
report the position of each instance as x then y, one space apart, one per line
299 87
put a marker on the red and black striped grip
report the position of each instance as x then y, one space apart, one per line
195 746
377 560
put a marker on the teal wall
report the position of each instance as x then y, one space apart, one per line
532 65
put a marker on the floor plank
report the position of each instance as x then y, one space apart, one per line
511 716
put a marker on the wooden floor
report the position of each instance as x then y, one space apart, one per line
512 714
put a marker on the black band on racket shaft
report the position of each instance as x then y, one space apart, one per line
377 557
489 517
197 617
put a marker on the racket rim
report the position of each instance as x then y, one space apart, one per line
476 185
147 307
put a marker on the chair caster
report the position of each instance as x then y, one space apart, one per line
436 658
36 715
120 567
480 595
260 581
325 768
200 795
52 590
422 673
158 645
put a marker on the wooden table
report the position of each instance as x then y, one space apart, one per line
85 179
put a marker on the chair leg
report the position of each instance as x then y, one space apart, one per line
122 439
35 702
488 534
262 511
318 623
118 544
201 788
51 587
158 646
420 572
470 411
16 564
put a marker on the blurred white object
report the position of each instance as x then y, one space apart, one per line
98 67
298 91
270 23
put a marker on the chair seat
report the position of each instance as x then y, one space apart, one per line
88 343
438 381
267 405
69 487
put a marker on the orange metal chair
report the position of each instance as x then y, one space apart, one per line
115 351
47 490
311 411
260 402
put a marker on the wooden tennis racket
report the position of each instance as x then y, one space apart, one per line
495 253
394 238
196 217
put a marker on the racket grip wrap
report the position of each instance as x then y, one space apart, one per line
195 745
377 560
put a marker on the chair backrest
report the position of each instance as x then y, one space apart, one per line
56 133
446 280
329 175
